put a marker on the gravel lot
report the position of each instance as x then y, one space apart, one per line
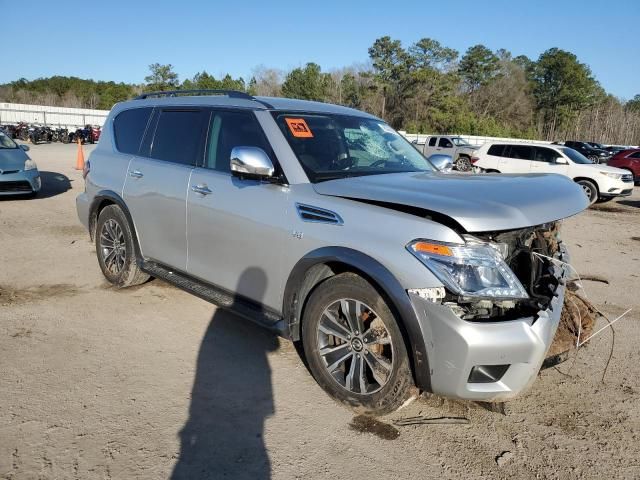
151 382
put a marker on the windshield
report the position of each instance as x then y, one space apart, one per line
460 142
575 156
339 146
6 141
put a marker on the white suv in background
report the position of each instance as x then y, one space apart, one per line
600 182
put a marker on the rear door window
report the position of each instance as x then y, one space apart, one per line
521 152
496 150
179 136
129 127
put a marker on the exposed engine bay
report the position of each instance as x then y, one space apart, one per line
526 251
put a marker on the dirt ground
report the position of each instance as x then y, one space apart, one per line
153 383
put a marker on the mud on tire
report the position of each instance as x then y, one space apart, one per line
116 249
379 380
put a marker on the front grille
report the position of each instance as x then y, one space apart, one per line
627 177
19 186
7 172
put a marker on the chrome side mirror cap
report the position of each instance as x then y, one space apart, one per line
443 163
24 147
251 162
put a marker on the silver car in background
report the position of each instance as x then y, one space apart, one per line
18 173
325 225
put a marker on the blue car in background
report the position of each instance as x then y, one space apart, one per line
18 173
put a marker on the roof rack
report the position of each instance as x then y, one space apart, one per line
175 93
229 93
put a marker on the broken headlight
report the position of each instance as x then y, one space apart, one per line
471 271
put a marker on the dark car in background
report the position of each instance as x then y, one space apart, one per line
596 155
628 160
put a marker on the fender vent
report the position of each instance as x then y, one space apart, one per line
318 215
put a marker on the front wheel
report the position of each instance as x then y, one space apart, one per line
354 347
463 164
590 190
115 249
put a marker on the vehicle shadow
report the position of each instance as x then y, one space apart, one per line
630 203
230 400
53 183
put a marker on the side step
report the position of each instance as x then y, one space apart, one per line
220 297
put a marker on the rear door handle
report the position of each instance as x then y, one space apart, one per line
201 189
135 174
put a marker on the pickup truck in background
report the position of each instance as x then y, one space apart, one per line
457 148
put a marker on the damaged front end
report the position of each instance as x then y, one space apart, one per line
494 321
532 255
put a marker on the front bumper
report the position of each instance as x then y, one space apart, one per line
616 188
456 346
24 182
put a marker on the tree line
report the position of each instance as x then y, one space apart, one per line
425 88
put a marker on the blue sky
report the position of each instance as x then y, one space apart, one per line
117 40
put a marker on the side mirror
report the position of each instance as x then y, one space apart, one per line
24 147
251 162
561 161
443 163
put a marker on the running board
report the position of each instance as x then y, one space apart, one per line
219 297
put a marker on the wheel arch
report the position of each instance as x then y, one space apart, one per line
103 199
577 179
326 262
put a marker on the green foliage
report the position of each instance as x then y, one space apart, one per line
204 81
634 104
161 77
478 66
308 83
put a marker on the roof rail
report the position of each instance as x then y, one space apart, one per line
175 93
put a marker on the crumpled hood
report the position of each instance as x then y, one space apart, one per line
479 203
12 159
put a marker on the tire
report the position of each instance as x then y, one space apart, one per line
381 345
463 164
590 190
116 249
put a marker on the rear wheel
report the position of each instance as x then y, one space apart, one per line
115 249
354 346
463 164
590 190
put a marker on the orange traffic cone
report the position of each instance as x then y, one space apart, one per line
80 158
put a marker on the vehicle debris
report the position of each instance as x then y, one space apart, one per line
503 458
421 420
368 424
576 323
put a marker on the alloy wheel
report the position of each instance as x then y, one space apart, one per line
112 246
355 346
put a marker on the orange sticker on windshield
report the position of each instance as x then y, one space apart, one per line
299 128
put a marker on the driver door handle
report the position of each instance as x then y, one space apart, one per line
202 189
135 174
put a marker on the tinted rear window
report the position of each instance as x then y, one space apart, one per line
128 128
432 141
521 152
179 136
496 150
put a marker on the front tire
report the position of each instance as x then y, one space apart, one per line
354 347
115 248
590 190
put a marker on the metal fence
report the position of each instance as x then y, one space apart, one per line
13 113
472 139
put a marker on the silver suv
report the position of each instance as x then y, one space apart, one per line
323 224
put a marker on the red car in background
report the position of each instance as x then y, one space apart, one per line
627 160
